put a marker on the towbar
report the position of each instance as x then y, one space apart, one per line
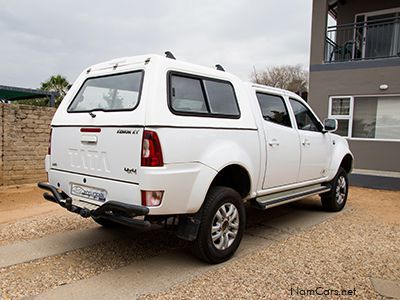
113 210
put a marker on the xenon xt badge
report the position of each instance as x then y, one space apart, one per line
128 131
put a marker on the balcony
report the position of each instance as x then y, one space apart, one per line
372 38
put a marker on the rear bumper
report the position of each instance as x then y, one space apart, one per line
118 212
184 184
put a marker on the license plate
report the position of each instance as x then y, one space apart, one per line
88 192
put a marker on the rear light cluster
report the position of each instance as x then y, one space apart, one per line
152 198
151 157
49 148
151 150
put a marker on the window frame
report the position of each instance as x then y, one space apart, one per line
208 114
284 104
351 112
109 110
348 117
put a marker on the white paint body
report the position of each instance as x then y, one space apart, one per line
194 148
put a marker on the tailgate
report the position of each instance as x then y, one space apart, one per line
105 152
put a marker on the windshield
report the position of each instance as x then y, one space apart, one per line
109 93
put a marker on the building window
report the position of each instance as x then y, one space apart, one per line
367 117
339 109
376 118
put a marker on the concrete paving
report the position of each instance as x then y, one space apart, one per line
52 245
150 275
158 273
386 288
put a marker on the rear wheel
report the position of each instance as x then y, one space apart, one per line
336 198
222 225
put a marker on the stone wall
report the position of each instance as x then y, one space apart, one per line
24 138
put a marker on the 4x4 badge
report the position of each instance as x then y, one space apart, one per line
130 171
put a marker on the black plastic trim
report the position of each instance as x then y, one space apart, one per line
102 126
122 208
201 127
158 126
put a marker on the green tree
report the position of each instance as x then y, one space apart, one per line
56 83
35 101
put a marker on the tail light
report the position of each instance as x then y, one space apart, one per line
152 198
49 148
151 150
92 130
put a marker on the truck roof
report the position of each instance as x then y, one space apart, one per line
140 59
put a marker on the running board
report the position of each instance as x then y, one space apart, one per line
276 199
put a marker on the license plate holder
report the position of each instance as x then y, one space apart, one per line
88 192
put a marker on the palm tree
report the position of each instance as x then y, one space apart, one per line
56 83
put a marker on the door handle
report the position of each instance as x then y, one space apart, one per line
273 143
88 139
306 142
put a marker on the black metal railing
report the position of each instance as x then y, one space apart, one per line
363 40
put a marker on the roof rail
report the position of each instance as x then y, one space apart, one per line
169 54
219 67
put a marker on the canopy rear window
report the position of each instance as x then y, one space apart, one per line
109 93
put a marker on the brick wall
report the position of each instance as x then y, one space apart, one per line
24 132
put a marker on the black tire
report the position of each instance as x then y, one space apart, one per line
231 229
336 198
106 223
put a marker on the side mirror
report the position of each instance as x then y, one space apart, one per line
330 125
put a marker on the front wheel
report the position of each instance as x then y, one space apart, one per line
222 225
336 198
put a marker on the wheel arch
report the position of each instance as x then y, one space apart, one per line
234 176
347 163
341 156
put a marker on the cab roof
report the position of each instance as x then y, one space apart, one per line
160 59
148 58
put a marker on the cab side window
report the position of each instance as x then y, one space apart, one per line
273 109
187 95
304 117
194 95
221 97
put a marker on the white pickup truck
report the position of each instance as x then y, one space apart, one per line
151 139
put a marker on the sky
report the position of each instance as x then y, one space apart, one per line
42 38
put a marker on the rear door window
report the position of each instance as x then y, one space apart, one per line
273 109
109 93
